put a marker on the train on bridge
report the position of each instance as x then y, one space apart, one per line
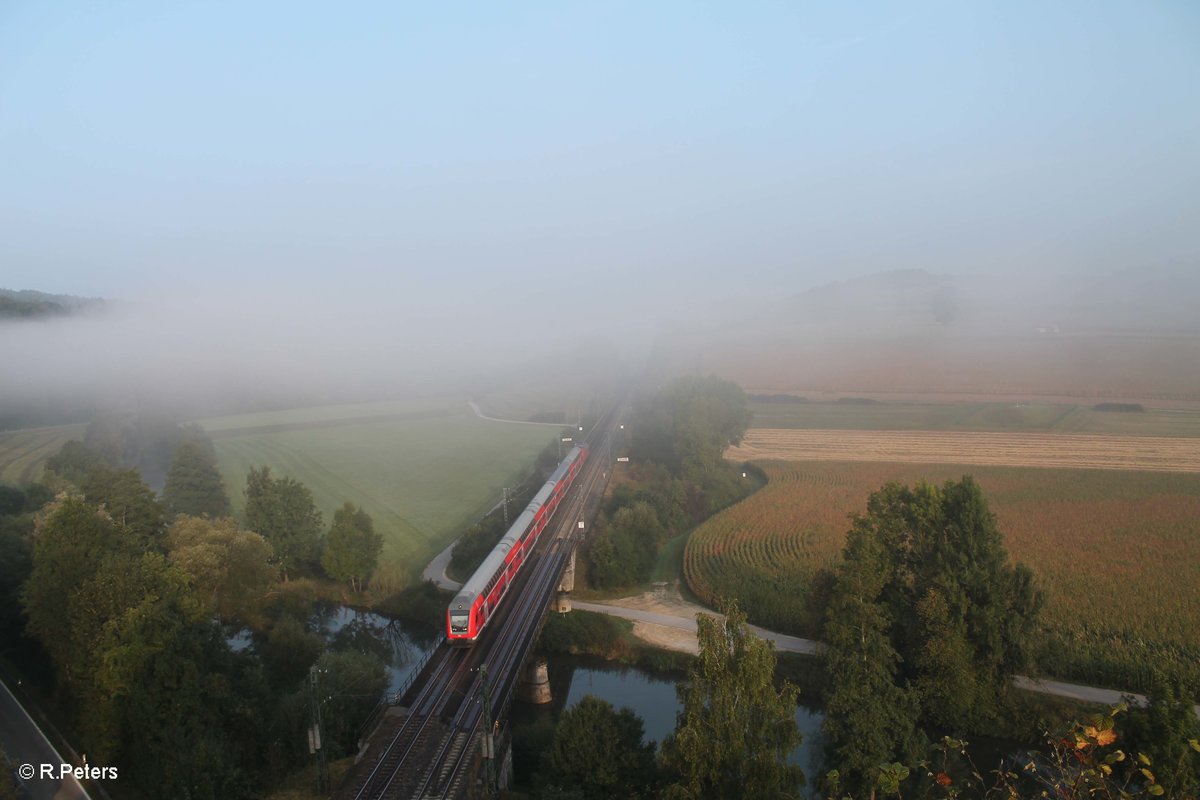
483 592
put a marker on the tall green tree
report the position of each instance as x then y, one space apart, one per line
193 484
623 552
927 622
599 751
870 721
71 541
283 512
352 547
230 568
130 503
736 730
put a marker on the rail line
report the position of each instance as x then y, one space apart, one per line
434 743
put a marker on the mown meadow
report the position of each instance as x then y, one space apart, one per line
23 452
424 470
1116 552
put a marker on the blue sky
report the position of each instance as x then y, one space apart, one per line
496 151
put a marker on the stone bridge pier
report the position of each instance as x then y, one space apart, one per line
562 598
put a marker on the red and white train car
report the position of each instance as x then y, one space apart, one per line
479 597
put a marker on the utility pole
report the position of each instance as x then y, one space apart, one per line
489 736
315 731
506 508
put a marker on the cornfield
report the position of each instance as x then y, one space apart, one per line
1116 552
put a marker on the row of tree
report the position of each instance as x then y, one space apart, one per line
126 595
678 476
280 510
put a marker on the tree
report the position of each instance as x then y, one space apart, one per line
71 540
736 731
927 622
599 751
193 483
141 440
352 547
869 719
74 461
283 512
352 683
1164 730
130 503
288 652
689 423
624 552
230 567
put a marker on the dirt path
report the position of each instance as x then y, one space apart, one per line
481 415
1095 451
666 620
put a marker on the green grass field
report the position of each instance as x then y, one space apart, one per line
423 470
23 453
968 416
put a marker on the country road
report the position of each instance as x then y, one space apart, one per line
794 644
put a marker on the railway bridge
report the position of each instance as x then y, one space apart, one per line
445 734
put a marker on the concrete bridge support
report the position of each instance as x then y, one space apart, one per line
567 582
535 683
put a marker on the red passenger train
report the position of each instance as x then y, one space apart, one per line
479 597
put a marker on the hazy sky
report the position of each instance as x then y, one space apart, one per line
488 152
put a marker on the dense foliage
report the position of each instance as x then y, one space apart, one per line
688 424
352 547
193 484
282 511
230 568
597 754
736 729
927 623
623 551
677 480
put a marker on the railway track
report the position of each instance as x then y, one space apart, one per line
430 750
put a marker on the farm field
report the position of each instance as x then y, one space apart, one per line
23 452
1117 552
1090 367
975 416
1174 454
423 471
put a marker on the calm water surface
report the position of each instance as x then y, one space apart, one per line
650 695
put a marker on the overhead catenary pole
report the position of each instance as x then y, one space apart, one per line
489 736
315 731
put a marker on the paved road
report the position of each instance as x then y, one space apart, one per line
26 744
794 644
436 571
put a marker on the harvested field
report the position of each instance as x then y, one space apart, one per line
1152 453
